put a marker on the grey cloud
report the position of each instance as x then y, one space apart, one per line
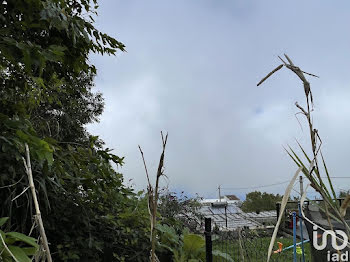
191 69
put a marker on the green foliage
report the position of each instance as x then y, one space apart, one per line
257 201
84 201
186 247
16 245
255 248
180 211
46 100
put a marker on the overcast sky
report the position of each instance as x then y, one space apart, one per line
191 69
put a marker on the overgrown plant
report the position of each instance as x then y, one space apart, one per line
187 247
16 246
312 169
46 101
180 211
153 195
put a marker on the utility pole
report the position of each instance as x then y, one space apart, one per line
301 186
219 193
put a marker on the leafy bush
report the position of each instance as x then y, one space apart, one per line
16 245
180 211
186 247
46 100
257 201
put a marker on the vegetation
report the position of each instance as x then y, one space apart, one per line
254 249
310 166
260 201
153 196
14 245
46 99
180 211
186 246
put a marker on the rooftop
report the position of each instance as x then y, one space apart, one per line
229 210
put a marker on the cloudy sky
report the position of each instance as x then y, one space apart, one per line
191 69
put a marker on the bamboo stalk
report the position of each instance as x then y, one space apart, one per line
28 167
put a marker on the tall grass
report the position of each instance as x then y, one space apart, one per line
314 166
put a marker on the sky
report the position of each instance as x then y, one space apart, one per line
191 70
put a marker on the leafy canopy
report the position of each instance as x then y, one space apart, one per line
260 201
46 99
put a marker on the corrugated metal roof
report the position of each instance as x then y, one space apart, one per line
236 218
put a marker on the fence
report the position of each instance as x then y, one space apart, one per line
244 245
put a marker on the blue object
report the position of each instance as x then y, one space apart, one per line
301 232
297 244
294 237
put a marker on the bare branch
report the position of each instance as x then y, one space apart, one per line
302 109
20 193
12 184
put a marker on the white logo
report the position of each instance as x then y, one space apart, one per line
334 239
333 234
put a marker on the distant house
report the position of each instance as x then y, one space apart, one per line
227 214
232 197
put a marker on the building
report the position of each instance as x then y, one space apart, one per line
226 214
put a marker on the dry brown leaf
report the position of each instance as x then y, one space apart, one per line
344 206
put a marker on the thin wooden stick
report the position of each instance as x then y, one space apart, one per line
28 167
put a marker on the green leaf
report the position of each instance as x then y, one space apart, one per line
30 251
221 255
193 243
57 50
329 180
21 237
19 254
2 233
3 220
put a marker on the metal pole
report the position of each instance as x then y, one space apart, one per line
294 237
301 185
301 232
219 194
208 243
226 215
278 209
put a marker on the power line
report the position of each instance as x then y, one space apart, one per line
240 188
275 184
337 177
